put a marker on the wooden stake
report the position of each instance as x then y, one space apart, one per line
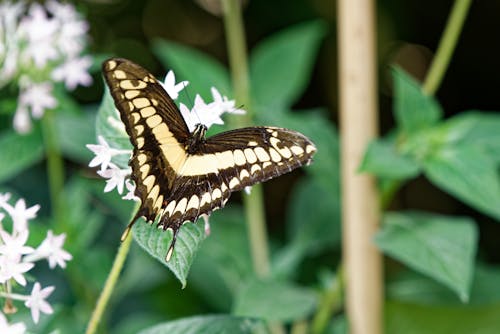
358 125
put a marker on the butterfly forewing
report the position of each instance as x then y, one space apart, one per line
180 176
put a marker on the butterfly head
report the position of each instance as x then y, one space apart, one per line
196 138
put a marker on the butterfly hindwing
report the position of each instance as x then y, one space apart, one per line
179 175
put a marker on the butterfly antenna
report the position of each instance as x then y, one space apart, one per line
191 100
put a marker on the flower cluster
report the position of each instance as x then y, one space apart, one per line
17 258
202 112
39 46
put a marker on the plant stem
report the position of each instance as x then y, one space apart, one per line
253 203
110 284
331 302
447 45
55 166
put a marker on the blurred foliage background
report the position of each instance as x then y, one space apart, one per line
408 32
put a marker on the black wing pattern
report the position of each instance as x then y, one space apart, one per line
179 181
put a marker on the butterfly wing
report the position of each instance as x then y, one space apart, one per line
231 161
156 130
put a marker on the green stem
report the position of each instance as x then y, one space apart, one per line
55 166
254 203
331 302
110 284
446 46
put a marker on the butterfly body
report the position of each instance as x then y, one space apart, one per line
181 175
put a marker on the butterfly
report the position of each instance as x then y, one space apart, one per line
182 175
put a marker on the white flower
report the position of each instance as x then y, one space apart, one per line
171 87
6 328
51 248
116 177
223 104
61 11
38 96
22 120
13 269
20 214
208 114
4 198
39 30
13 246
131 191
36 302
103 153
74 72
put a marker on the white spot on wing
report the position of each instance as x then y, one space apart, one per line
251 157
239 157
234 182
153 120
261 154
181 206
194 203
148 111
141 102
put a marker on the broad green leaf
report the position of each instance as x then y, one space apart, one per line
413 109
19 152
223 260
414 288
210 324
478 129
111 128
467 173
74 132
281 65
274 301
440 247
383 160
313 231
417 319
156 242
201 70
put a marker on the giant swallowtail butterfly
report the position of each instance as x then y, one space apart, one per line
179 175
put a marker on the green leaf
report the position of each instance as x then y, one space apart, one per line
468 174
319 230
414 288
281 65
111 128
289 302
156 242
438 246
74 132
478 129
418 319
19 152
202 71
383 160
308 233
211 324
224 260
413 109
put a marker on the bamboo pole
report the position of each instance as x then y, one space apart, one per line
358 125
